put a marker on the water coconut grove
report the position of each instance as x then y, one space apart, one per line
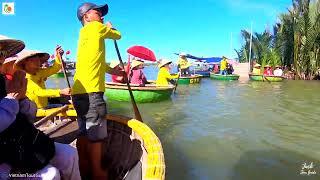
293 42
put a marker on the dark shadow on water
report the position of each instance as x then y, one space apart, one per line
179 167
273 165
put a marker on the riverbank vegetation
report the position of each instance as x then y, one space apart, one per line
293 42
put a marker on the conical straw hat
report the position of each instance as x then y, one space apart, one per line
10 47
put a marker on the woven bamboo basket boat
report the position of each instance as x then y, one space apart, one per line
146 94
131 150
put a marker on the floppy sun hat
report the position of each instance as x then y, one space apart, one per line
10 47
85 7
24 55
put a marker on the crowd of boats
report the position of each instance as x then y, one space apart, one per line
146 91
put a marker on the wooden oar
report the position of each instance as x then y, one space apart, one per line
174 90
65 73
134 104
264 77
50 116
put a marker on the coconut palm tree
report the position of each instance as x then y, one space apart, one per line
243 52
295 40
306 27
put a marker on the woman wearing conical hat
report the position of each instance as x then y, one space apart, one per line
278 71
43 157
30 62
164 75
256 69
136 75
267 70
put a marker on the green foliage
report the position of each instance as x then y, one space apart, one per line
295 41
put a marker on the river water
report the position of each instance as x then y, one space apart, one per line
235 130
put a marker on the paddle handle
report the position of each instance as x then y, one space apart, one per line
174 90
134 104
64 71
264 78
65 74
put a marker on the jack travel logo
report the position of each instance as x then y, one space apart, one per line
8 8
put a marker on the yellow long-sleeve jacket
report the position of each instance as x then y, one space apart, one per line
36 88
223 64
164 76
183 63
91 66
256 71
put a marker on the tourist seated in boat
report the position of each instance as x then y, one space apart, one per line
116 78
164 75
8 67
184 65
136 75
215 69
230 69
30 62
223 66
43 157
278 71
256 69
267 70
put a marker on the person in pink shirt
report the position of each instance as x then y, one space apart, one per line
136 75
216 69
267 71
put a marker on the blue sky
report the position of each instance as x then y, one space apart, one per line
198 27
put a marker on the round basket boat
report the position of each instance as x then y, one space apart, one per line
204 74
229 77
146 94
266 78
194 79
131 150
60 75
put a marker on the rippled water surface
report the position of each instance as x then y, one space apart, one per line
235 130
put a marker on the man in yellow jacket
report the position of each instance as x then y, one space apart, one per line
30 62
89 86
223 66
183 65
164 75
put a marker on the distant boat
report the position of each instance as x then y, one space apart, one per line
229 77
146 94
203 73
266 78
193 79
